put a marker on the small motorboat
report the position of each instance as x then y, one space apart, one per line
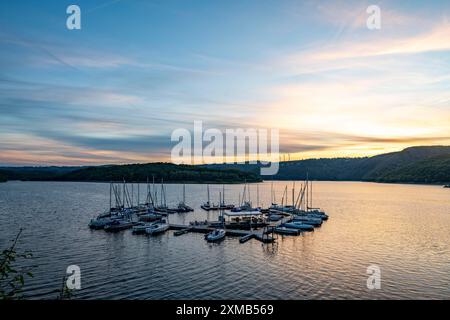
141 227
157 228
150 217
299 226
312 214
316 222
118 225
216 235
208 206
102 221
99 223
182 208
287 231
275 217
318 213
164 210
447 186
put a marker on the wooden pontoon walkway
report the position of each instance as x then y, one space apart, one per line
245 235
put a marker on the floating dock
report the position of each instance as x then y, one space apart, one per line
244 235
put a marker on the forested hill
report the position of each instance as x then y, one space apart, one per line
131 172
411 165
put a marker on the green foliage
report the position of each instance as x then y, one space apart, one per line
65 293
3 176
412 165
137 172
432 170
12 279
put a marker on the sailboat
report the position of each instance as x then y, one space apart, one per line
222 204
207 205
314 211
246 203
182 206
306 210
283 208
111 215
162 208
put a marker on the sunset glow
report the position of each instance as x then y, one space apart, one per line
114 91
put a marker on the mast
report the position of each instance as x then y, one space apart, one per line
284 198
132 194
293 191
307 191
110 194
123 194
257 195
116 196
163 194
223 194
138 191
148 193
221 212
155 192
271 192
184 193
207 192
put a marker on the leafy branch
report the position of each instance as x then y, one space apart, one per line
12 279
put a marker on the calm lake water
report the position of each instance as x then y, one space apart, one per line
404 229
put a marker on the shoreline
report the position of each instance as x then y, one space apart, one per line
234 183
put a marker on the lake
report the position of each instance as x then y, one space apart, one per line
403 229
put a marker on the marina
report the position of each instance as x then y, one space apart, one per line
240 152
242 220
368 223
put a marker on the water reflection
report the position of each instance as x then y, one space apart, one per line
401 228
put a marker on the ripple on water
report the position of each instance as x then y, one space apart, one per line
402 229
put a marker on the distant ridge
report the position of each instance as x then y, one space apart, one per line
423 164
130 172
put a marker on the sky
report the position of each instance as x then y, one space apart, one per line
114 91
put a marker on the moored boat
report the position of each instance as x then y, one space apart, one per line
118 225
208 205
287 231
141 227
157 228
299 226
150 217
100 223
308 220
215 235
274 217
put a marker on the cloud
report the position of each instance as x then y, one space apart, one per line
434 40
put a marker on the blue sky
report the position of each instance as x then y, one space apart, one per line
114 91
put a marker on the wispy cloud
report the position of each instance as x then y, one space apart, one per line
113 92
